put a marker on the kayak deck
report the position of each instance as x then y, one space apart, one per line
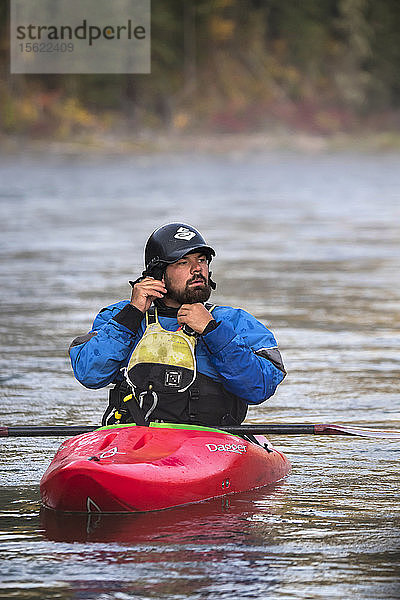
128 468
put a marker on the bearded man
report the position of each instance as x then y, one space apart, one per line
172 356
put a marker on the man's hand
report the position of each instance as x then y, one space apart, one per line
195 316
146 291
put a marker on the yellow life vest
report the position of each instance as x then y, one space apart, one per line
162 366
163 361
167 349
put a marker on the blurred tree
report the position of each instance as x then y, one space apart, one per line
384 59
353 78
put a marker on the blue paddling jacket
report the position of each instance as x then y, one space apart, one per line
237 360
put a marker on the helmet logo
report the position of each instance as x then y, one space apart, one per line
183 233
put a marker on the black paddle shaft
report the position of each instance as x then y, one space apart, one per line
46 431
70 430
247 428
271 428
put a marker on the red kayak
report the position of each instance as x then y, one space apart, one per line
127 468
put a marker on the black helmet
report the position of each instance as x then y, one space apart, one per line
169 243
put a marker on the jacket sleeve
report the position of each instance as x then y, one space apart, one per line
98 356
245 354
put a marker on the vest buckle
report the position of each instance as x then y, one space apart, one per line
173 378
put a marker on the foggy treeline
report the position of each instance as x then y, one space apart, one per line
229 66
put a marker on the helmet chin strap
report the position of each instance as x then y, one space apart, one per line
157 271
211 283
138 280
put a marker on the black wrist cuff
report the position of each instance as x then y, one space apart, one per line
210 327
130 317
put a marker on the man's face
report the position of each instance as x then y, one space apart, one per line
187 280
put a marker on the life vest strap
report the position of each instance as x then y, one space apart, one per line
119 399
151 316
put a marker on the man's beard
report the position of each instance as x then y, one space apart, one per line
189 295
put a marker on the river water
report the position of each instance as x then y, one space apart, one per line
309 243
